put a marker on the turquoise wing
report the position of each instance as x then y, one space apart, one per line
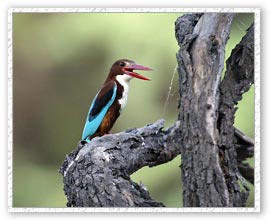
98 109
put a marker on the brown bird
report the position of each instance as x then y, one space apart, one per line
111 98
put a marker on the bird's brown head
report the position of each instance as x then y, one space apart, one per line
124 68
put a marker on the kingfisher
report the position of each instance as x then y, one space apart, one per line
111 98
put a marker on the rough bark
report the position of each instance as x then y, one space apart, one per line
239 76
244 147
97 174
210 172
200 62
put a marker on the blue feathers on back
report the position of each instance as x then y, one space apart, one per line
98 109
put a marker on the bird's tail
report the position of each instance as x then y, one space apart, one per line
87 139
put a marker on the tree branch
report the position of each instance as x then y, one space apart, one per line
239 76
98 173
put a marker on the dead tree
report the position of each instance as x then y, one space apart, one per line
209 164
97 174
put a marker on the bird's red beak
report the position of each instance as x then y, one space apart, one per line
128 69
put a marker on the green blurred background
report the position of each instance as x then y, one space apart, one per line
60 60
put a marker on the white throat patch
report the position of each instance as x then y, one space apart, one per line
124 81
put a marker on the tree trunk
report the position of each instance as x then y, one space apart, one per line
210 172
97 174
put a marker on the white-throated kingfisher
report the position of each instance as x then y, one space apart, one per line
111 98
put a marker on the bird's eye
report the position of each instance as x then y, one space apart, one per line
122 64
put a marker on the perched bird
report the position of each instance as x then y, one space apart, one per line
111 99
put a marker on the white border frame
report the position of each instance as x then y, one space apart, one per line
256 12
